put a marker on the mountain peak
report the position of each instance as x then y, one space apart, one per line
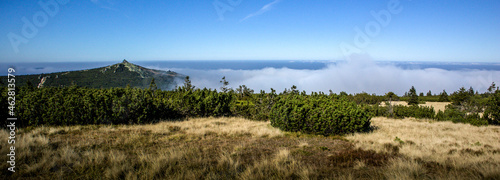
119 67
116 75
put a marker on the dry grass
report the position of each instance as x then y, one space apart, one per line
219 126
235 148
437 105
455 149
200 148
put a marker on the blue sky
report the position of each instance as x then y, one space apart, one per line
111 30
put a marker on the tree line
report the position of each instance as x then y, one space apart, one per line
466 106
290 110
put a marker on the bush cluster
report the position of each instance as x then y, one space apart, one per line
255 106
318 114
290 110
492 110
400 111
76 105
454 114
416 111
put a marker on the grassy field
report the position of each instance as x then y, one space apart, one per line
436 105
236 148
430 149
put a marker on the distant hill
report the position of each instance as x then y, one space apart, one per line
116 75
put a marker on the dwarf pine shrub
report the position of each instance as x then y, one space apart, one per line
320 114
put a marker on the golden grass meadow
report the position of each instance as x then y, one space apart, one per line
236 148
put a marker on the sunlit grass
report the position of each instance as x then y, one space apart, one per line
236 148
461 148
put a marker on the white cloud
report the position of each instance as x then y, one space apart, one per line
349 77
262 10
105 4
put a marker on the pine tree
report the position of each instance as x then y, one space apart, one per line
429 93
443 97
224 87
471 91
294 90
492 88
391 96
460 97
413 97
152 85
187 84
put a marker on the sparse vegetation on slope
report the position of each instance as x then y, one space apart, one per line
116 75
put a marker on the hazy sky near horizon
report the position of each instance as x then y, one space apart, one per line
111 30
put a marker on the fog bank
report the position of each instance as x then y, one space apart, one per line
351 77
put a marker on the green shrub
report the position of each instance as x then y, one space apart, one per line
75 105
475 119
492 112
291 110
318 114
422 112
440 116
365 98
413 97
454 114
244 109
254 106
401 111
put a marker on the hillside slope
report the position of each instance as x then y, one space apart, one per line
116 75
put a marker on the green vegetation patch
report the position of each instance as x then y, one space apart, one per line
319 114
